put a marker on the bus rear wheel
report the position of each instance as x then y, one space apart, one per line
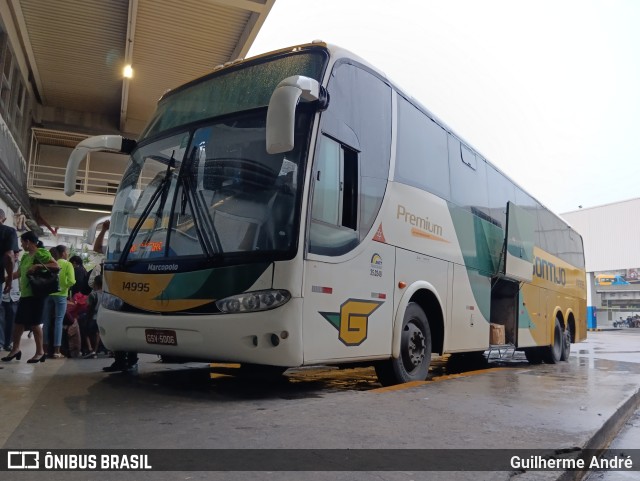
566 345
553 353
415 350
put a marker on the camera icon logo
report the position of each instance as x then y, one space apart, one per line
23 460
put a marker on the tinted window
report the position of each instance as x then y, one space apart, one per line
532 206
359 120
545 223
555 233
501 190
576 256
468 184
422 151
327 178
334 218
468 157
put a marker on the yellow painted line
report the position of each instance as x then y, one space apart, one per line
409 385
400 387
216 375
222 364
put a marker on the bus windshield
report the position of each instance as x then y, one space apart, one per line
233 90
211 190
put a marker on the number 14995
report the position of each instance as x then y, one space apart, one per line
135 286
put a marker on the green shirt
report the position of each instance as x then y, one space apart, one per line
67 278
40 255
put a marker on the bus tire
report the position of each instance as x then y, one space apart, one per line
415 350
566 345
553 352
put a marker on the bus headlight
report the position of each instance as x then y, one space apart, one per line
111 302
253 301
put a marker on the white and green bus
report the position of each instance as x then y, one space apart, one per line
298 208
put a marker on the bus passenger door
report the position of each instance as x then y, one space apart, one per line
518 252
348 280
348 276
518 309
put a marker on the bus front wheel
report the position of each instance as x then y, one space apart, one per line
415 350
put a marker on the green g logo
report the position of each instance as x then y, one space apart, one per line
352 321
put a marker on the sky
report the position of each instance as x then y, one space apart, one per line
548 91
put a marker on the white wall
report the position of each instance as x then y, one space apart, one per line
611 235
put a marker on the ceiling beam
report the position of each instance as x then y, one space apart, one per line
128 58
251 30
244 5
23 34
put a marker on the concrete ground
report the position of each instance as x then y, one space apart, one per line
628 438
72 404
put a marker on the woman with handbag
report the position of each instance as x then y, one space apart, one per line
35 260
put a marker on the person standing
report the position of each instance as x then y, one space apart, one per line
123 360
9 306
92 333
55 305
82 277
99 248
8 245
30 307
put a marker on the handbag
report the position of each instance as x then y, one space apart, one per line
44 282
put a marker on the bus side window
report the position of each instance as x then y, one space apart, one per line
334 209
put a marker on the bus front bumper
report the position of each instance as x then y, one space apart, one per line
268 337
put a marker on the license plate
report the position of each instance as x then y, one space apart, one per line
166 337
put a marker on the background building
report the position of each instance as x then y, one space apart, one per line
611 236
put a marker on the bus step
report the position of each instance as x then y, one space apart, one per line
500 351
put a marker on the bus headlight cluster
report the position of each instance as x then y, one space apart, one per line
111 302
253 301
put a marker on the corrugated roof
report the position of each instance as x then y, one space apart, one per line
77 49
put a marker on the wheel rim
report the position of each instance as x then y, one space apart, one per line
413 346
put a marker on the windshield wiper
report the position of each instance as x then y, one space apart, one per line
201 218
164 191
161 190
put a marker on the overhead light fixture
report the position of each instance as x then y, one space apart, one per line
128 71
95 210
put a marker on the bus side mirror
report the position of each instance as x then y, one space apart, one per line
281 114
115 143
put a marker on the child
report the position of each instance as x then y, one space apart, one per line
74 323
92 334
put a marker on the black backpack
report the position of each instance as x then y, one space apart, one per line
82 281
84 284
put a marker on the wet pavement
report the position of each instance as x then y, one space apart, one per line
507 404
628 438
